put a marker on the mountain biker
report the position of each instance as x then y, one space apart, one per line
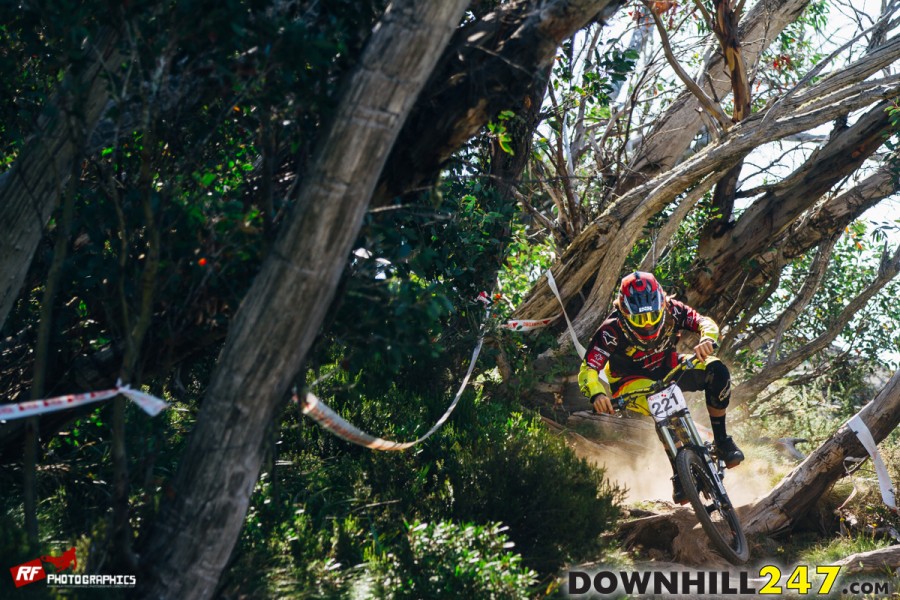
635 346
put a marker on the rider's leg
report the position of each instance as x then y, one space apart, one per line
715 380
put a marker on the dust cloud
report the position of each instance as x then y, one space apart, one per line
640 467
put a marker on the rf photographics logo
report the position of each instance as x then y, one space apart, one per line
33 570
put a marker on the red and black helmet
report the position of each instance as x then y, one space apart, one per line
642 305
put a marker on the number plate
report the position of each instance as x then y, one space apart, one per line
666 402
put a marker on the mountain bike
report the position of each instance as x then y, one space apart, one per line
699 468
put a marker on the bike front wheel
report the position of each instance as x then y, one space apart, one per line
715 512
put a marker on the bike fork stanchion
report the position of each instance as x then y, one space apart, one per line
688 424
665 436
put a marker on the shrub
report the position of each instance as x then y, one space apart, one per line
449 560
556 504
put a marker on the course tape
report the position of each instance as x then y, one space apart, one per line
578 347
329 420
858 426
528 325
149 404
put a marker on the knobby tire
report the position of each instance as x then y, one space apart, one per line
726 535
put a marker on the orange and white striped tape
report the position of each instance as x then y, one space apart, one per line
331 421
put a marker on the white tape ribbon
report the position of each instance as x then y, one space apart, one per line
331 421
149 404
858 426
531 324
578 347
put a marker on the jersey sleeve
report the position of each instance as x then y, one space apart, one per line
592 382
592 376
688 318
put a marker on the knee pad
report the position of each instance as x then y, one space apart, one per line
718 384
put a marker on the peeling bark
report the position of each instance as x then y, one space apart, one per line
836 213
726 258
673 132
826 219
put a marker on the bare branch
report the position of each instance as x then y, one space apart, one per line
706 16
730 348
837 83
535 212
712 107
673 132
816 70
667 231
601 249
836 213
888 269
810 286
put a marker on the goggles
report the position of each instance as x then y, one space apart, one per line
645 319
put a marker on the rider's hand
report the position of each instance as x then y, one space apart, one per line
704 349
602 404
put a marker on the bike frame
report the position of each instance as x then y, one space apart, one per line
692 459
678 429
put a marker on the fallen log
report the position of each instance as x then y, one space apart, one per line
797 494
882 560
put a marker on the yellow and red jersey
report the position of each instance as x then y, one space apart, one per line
615 354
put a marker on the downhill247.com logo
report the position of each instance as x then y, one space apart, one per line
33 570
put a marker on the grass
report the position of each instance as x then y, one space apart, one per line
831 551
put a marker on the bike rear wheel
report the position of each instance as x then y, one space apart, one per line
715 512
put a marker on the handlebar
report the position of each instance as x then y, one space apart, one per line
685 363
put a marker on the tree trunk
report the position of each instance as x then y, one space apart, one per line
724 25
873 562
837 212
816 225
803 486
29 190
196 530
722 257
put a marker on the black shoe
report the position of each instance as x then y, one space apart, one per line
678 496
728 451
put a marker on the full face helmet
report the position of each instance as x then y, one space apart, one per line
642 305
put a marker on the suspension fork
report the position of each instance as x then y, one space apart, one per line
683 427
664 433
688 423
